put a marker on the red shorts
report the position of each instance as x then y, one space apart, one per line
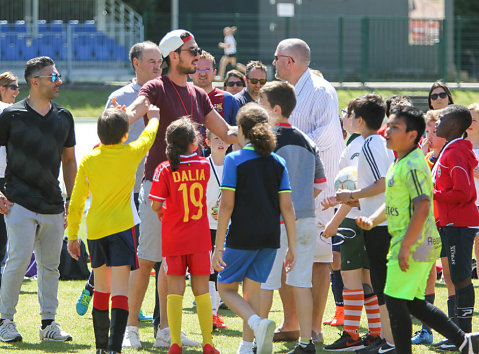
196 263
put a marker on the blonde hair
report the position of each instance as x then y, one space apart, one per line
6 78
473 107
432 115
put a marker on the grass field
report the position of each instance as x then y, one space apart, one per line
89 101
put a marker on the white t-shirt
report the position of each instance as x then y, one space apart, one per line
476 180
350 157
213 192
373 164
3 150
231 49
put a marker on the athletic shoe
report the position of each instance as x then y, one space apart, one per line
218 322
345 343
223 306
422 337
246 349
143 317
175 349
310 349
53 332
163 339
368 340
446 346
387 348
131 338
472 344
264 336
440 343
101 351
83 302
338 317
373 347
8 332
209 349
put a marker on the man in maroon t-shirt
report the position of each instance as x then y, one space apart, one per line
175 98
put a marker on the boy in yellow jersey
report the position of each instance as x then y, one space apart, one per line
415 242
108 172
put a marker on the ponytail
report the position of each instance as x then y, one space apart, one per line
179 135
253 120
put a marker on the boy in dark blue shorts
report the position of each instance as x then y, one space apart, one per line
110 222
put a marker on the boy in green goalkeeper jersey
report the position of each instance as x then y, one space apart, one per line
415 242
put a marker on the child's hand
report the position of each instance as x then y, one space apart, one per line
364 223
217 261
153 112
160 213
115 104
343 196
425 145
74 249
403 258
329 231
329 202
290 259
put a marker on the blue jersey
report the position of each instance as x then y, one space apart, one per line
257 182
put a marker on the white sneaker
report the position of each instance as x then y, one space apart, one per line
53 332
264 336
8 332
245 349
163 339
131 338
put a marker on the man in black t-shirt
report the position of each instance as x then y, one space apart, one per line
39 136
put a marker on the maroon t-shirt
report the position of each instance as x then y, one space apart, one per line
161 93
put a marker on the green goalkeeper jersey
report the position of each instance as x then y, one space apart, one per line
408 180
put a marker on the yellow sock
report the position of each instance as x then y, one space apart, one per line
205 316
175 311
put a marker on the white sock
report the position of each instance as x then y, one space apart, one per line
218 299
212 291
253 321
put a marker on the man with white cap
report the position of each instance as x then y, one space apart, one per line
175 97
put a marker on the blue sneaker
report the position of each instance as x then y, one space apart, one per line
422 337
83 302
143 317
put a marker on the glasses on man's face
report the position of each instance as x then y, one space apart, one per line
345 112
235 83
13 87
193 51
434 96
54 77
255 81
276 57
207 70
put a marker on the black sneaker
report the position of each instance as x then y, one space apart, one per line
310 348
373 347
387 348
472 344
368 340
344 343
446 346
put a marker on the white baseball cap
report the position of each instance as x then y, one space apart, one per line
172 41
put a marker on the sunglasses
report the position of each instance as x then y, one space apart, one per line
13 87
235 83
434 96
255 81
193 51
276 57
54 77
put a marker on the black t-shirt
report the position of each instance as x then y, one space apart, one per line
34 152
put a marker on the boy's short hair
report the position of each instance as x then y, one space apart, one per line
208 56
413 117
112 126
371 108
282 94
432 115
394 100
460 114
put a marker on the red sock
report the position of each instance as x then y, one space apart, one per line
101 301
119 302
353 305
374 317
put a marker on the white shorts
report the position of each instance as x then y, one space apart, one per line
301 274
324 249
149 242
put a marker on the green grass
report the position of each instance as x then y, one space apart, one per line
89 101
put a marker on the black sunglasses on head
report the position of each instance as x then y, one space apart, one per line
434 96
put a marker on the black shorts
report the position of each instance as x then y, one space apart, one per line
353 251
114 250
457 242
230 55
377 242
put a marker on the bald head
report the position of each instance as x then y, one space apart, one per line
298 49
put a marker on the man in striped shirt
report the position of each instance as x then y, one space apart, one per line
317 115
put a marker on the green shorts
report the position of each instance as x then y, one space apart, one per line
410 284
353 252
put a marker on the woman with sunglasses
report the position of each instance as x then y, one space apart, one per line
234 82
439 96
8 91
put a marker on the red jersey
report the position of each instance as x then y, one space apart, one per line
185 228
